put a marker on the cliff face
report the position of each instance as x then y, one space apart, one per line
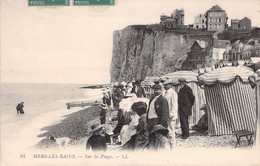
140 51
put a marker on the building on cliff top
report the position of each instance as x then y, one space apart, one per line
251 48
244 23
220 51
176 20
196 58
216 19
200 22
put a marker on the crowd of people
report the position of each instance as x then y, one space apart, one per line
148 126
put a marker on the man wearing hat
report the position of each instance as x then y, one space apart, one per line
158 110
138 90
117 96
186 100
172 98
97 141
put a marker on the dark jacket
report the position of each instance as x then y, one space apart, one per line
140 91
117 96
106 100
97 143
19 107
103 116
186 100
161 109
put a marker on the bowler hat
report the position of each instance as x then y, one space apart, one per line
160 128
156 87
96 127
182 80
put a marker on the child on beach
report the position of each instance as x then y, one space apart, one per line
97 141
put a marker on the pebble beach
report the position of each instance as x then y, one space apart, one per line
76 126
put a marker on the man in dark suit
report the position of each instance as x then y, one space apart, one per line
186 100
117 96
138 90
158 111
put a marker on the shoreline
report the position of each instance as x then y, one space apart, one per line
75 126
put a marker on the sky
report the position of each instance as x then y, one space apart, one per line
74 44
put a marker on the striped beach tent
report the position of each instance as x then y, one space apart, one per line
255 80
230 99
192 82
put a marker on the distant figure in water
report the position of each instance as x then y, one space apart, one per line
19 108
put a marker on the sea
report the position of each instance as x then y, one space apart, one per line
44 105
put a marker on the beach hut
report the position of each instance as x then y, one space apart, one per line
230 99
147 83
192 82
255 80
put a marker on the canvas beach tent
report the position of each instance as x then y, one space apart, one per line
192 82
230 99
147 83
255 81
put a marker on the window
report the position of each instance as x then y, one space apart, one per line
219 20
216 20
210 25
203 21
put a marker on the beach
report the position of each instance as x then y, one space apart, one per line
27 136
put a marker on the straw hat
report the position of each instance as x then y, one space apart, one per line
96 127
160 128
116 84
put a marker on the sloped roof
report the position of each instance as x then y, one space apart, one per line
216 8
245 18
253 48
220 43
255 59
201 43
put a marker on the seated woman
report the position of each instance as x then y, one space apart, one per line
202 125
139 140
129 129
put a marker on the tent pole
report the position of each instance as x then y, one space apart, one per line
257 124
